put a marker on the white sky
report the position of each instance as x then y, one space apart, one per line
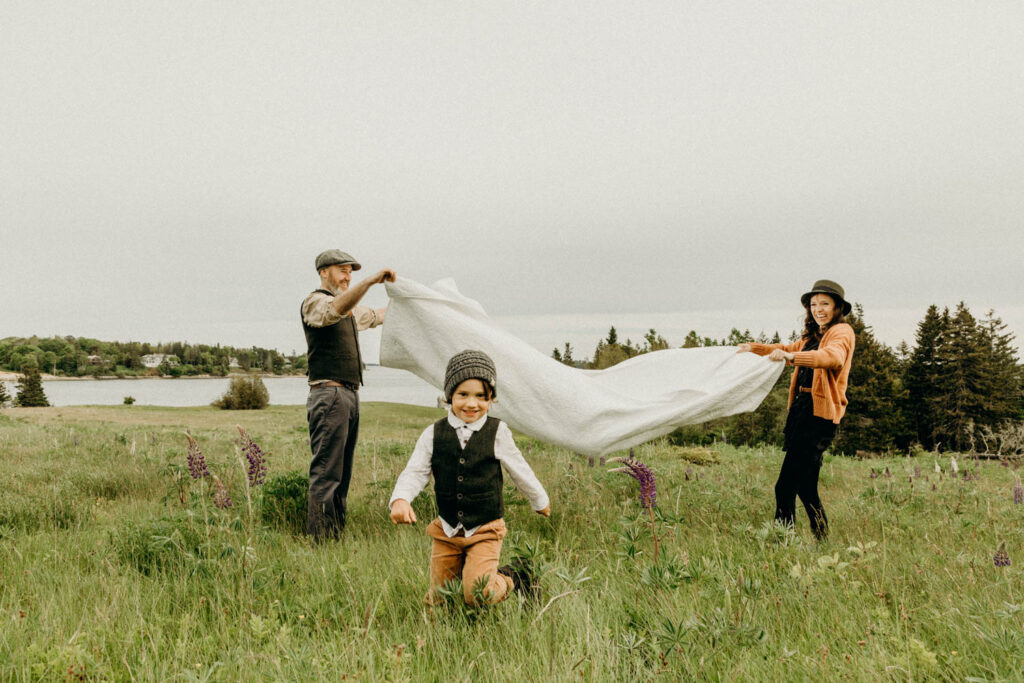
170 170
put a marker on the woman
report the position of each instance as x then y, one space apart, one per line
817 398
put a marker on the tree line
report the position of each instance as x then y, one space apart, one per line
960 387
82 356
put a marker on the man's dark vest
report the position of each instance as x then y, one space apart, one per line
467 481
333 350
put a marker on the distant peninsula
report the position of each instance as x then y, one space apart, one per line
69 357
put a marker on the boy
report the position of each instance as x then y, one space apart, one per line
465 452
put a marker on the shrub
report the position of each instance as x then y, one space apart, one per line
245 393
5 397
128 400
285 498
30 389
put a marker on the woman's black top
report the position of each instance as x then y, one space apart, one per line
804 430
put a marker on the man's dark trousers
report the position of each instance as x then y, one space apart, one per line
333 414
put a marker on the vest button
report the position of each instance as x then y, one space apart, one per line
460 513
462 461
459 496
460 478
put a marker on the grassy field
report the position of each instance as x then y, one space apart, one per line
115 565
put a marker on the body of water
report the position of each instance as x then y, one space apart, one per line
382 384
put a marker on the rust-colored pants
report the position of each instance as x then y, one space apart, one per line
471 558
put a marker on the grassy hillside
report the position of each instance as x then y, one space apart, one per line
114 564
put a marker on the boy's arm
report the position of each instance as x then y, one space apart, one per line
519 471
412 479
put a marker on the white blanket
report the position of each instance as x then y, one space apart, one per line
593 412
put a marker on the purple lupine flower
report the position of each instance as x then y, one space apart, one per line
873 475
888 474
689 471
642 473
1018 492
1001 558
255 456
221 498
196 462
917 471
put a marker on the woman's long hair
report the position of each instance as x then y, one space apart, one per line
811 329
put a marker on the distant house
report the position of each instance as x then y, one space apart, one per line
155 360
233 362
96 360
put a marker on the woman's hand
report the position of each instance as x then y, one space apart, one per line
743 348
779 354
401 512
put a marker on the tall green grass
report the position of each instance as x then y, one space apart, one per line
114 564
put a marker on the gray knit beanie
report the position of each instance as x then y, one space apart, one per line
469 365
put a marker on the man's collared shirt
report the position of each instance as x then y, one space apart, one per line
317 311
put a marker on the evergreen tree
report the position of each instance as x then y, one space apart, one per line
30 389
963 359
874 417
1002 382
924 394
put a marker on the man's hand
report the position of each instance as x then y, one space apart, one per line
383 275
401 512
546 511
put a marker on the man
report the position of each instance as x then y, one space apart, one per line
331 320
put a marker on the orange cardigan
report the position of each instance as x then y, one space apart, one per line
831 363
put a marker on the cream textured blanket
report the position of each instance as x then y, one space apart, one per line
593 412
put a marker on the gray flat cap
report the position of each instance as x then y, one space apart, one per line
335 257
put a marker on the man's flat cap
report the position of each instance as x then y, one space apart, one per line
335 257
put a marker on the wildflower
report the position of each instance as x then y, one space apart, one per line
255 456
1001 558
953 466
917 471
643 475
196 461
873 475
1018 492
938 470
689 471
888 474
221 498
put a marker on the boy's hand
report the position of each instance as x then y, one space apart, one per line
401 512
546 511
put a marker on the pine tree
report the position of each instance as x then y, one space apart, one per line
1002 388
964 355
30 389
874 417
924 393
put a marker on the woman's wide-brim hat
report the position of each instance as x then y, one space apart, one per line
833 289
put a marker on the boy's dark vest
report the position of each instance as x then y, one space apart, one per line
467 482
333 350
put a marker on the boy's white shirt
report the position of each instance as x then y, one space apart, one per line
417 471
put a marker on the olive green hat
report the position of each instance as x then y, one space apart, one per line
832 289
469 365
335 257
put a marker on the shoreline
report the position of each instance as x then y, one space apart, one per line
6 376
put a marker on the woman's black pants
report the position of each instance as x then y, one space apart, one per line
799 477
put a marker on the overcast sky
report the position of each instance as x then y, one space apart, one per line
170 170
